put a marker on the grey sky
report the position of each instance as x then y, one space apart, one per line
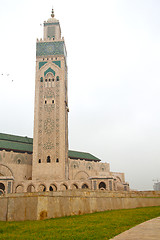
113 73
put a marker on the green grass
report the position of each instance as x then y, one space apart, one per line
103 225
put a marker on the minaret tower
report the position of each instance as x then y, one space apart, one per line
50 144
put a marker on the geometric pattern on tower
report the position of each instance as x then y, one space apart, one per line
58 63
41 64
49 48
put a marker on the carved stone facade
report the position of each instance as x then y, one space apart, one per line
50 155
16 172
44 163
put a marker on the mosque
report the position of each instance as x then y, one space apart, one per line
44 163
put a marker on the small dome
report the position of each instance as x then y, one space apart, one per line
52 20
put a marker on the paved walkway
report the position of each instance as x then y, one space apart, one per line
149 230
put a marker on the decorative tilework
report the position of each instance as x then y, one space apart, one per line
40 123
41 64
49 48
57 120
49 70
48 145
48 24
48 126
48 93
58 63
49 108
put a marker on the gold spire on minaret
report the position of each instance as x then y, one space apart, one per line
52 13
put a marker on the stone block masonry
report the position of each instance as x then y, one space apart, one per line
39 206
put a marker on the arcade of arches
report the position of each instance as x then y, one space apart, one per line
29 186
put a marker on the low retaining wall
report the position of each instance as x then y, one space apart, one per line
38 206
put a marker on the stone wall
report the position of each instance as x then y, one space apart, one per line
38 206
17 165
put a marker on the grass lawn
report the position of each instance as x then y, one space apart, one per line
102 225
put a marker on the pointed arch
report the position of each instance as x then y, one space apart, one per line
102 185
42 188
53 188
85 186
5 171
63 187
31 188
81 175
19 188
49 70
74 186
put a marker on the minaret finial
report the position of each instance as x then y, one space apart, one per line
52 13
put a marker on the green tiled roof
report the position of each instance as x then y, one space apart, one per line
25 144
82 155
16 143
14 138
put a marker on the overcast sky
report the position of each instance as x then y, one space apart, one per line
113 51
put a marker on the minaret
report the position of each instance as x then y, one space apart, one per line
50 144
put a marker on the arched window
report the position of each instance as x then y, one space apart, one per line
39 160
30 188
53 188
102 185
74 186
19 189
63 187
41 188
57 78
2 188
57 160
48 159
84 186
19 161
